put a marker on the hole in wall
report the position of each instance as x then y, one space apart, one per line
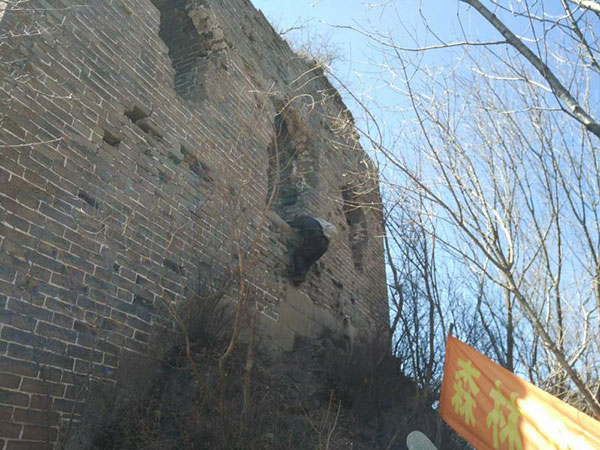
174 159
142 281
293 168
163 177
88 199
146 127
111 139
142 119
136 114
201 169
196 166
172 265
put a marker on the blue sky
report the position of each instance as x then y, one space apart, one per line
401 18
359 64
411 23
320 17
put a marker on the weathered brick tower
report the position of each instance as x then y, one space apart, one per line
143 145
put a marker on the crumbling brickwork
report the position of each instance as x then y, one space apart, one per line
139 141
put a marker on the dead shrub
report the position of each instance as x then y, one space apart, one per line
385 404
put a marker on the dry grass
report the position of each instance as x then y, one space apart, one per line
316 397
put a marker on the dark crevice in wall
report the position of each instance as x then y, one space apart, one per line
143 302
148 128
281 173
174 159
142 281
171 265
178 33
357 222
163 177
136 114
88 199
142 119
195 44
196 166
111 139
201 170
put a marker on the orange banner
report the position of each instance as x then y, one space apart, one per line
492 408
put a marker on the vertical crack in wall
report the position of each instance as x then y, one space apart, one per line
196 44
281 173
293 167
357 222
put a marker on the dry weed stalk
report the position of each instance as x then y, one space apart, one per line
324 430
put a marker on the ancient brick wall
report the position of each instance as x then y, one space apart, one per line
140 141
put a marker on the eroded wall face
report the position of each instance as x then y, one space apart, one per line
140 144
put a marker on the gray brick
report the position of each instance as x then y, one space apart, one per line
52 331
26 308
57 215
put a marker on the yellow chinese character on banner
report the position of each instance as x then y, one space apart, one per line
465 389
509 428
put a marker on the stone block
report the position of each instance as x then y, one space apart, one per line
327 318
276 334
298 321
300 301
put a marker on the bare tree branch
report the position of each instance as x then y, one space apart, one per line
573 106
588 4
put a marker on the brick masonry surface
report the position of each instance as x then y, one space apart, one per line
140 143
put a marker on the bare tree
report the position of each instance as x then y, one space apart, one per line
499 149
